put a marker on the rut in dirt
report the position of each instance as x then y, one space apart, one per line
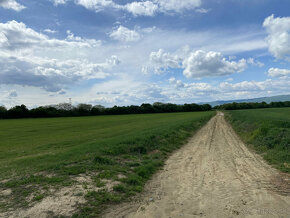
213 175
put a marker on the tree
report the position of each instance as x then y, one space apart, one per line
18 112
3 112
97 109
84 108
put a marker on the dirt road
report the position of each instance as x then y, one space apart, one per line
214 175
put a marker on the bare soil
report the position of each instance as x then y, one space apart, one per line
214 175
60 203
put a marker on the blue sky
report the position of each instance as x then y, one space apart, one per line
118 52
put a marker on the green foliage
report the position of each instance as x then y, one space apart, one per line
67 110
268 130
251 105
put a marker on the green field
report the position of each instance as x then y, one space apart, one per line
267 131
36 154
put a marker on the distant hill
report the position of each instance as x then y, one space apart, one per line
265 99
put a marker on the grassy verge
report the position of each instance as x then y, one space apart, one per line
267 130
38 155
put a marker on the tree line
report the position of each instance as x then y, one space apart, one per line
67 110
251 105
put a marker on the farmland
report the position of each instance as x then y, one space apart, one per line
267 131
39 157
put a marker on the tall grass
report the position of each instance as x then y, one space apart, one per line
268 131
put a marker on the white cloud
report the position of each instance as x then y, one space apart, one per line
191 87
176 83
250 89
34 62
141 8
49 31
50 74
254 62
196 64
97 5
161 61
146 8
16 35
125 35
276 72
279 36
29 58
244 86
59 2
255 88
177 5
205 64
11 4
201 92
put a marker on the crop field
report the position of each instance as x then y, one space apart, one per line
38 157
267 131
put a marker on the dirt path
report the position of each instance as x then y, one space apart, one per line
214 175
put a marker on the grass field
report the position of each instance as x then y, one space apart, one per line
267 131
37 154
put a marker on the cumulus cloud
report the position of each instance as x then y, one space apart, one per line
142 8
125 35
50 74
244 86
176 83
196 64
276 72
256 87
161 61
206 64
16 35
177 5
183 92
97 5
191 87
146 8
11 4
25 61
279 36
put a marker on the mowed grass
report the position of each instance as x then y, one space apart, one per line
37 154
268 131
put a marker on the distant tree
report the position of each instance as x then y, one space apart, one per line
158 104
191 107
147 108
97 110
84 108
18 112
63 106
206 107
3 112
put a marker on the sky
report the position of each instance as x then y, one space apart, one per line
120 52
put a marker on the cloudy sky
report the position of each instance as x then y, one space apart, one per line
123 52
